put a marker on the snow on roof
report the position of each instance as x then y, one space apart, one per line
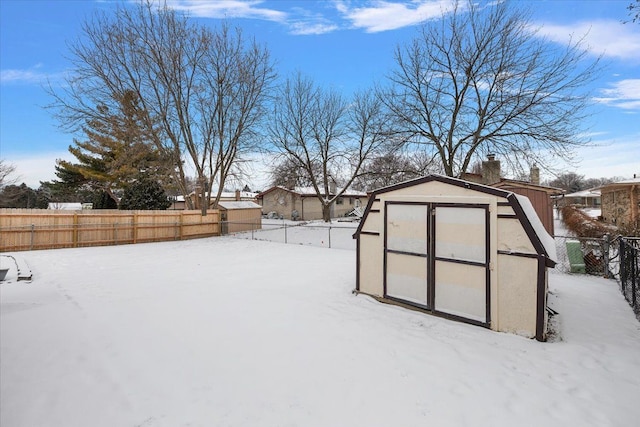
592 192
622 183
310 191
547 240
65 206
229 194
239 205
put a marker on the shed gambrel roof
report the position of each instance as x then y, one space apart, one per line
540 239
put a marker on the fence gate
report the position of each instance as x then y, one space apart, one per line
437 257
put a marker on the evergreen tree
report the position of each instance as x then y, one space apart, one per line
144 194
71 186
102 200
19 196
116 150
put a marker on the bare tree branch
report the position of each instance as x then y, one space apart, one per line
202 92
481 81
317 132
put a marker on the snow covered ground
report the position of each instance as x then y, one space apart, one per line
231 332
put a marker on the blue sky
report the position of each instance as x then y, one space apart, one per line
340 43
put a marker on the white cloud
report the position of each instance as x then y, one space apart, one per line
303 28
623 94
384 15
31 168
227 9
31 75
608 158
602 37
299 21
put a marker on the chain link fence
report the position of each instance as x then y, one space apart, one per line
613 258
629 271
337 235
587 255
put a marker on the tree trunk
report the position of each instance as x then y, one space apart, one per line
326 212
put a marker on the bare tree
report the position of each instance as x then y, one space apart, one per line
318 132
290 174
392 168
201 92
481 81
6 169
634 11
568 181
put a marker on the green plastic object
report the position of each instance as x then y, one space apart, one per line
576 259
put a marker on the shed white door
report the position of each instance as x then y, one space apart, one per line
461 261
436 257
406 252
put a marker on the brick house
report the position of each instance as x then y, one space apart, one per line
621 203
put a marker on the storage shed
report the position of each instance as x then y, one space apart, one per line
457 249
239 216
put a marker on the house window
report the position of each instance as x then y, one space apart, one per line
351 200
339 201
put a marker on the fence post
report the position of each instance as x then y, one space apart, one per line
115 232
634 274
329 237
253 224
33 231
605 255
135 228
75 230
181 224
623 266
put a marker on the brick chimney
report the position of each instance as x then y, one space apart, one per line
491 170
535 175
237 195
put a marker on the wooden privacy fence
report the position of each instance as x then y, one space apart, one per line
30 229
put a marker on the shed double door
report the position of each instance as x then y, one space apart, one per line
437 258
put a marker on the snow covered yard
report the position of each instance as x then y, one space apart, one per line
230 332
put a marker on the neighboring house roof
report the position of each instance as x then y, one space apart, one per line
228 194
239 205
311 192
623 183
592 192
505 183
65 206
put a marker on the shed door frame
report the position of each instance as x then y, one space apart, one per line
430 302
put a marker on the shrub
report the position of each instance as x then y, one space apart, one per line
583 225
